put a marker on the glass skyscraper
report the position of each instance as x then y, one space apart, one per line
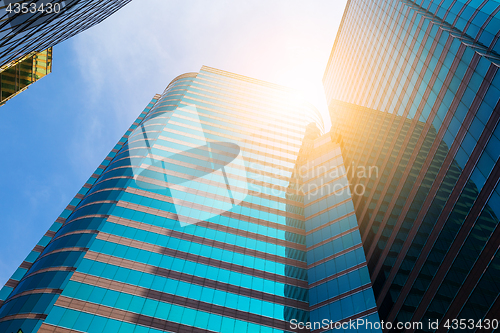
222 209
413 89
17 76
27 26
29 29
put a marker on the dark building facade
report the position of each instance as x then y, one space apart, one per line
27 26
222 209
413 89
30 28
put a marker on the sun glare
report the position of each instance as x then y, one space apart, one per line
306 78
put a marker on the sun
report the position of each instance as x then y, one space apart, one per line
306 77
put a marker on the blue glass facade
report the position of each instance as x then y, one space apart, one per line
203 218
413 89
339 283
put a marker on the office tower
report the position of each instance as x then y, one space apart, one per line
17 76
413 89
29 30
221 209
28 27
338 279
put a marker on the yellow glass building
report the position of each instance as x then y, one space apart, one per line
16 76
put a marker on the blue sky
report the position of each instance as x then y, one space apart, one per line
54 135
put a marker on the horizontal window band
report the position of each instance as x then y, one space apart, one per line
255 150
330 223
207 241
164 114
281 138
64 249
318 188
142 136
183 105
344 188
232 135
249 160
125 316
214 226
35 291
49 269
246 145
219 197
84 231
314 167
107 189
168 199
353 318
249 181
336 298
88 216
334 276
171 96
49 328
194 258
256 193
38 316
165 185
104 258
99 202
164 198
263 155
194 166
191 279
329 208
136 318
263 137
332 238
293 271
333 256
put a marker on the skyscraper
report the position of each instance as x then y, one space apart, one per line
18 75
222 209
29 29
339 284
29 26
413 89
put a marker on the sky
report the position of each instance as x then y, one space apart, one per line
55 134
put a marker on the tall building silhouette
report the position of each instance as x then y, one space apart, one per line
29 29
222 209
24 30
413 89
18 75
